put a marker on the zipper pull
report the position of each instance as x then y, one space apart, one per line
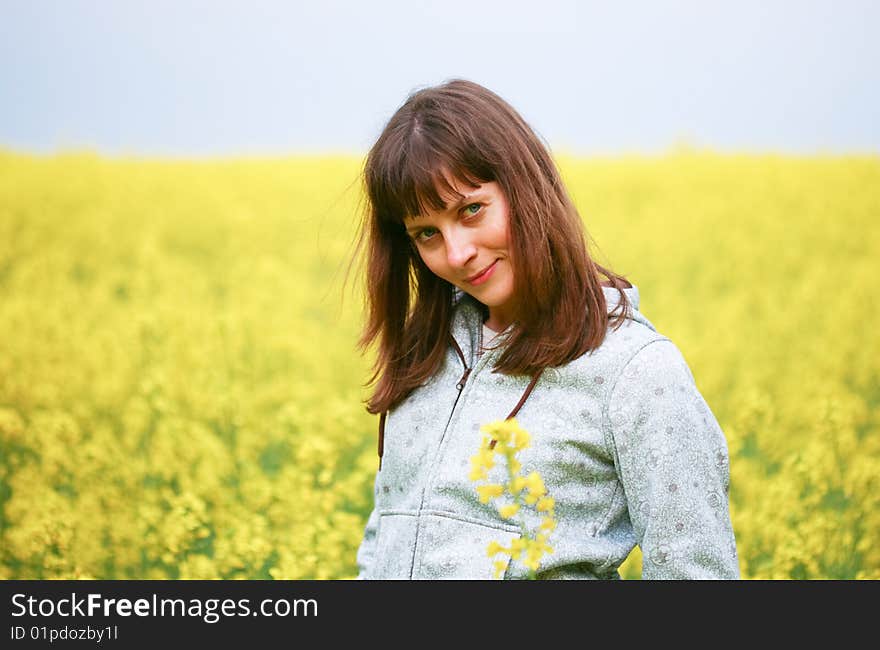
463 380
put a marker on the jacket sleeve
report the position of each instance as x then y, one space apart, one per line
367 548
672 460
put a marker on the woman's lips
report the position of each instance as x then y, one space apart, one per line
485 275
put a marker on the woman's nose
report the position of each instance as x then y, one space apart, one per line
460 249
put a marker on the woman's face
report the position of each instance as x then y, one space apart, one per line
467 245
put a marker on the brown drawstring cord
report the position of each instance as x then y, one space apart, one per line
460 385
381 436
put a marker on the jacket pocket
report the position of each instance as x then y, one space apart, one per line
451 548
395 542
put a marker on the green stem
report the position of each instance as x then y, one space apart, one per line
517 499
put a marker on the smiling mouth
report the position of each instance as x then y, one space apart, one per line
481 274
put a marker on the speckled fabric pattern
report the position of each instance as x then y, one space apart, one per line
624 441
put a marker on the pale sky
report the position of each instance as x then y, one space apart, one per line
221 78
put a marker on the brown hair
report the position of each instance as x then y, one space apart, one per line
467 129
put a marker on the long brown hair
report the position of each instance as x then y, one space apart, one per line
473 133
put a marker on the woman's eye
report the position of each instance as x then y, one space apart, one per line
425 234
468 211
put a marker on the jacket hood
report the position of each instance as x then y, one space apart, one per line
612 298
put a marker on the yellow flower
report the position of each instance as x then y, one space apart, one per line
500 566
519 437
516 547
494 549
514 439
535 484
548 524
483 458
509 510
545 504
480 462
498 430
517 484
488 492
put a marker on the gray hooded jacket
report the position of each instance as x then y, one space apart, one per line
625 443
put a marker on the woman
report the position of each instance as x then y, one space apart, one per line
485 304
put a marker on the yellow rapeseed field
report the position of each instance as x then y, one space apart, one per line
181 396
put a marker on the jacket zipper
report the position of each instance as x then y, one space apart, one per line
462 382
